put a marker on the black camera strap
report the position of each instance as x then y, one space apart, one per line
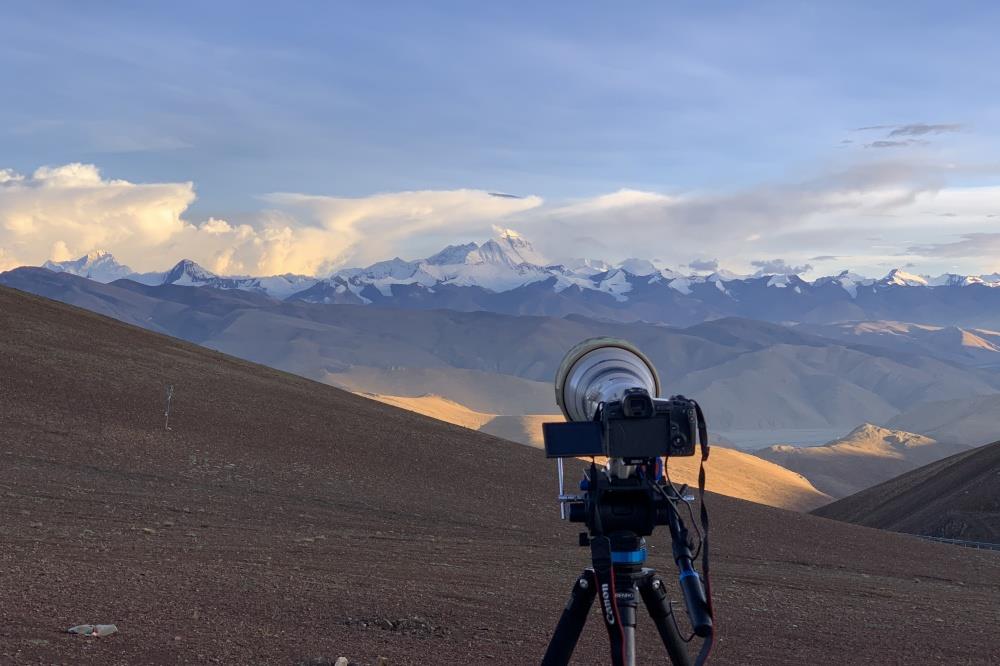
706 647
604 572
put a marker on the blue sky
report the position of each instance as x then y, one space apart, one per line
564 101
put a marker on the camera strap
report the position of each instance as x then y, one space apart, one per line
706 647
604 572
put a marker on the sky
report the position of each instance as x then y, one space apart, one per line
301 137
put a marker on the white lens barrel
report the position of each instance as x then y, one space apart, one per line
600 370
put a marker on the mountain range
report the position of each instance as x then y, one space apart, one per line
750 375
507 275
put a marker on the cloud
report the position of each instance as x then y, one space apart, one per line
885 143
914 129
892 139
704 264
922 129
364 229
778 266
72 208
975 245
66 211
825 257
830 213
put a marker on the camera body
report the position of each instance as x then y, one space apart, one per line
636 427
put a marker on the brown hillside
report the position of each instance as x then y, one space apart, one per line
956 498
282 519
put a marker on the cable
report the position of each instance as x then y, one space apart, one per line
694 523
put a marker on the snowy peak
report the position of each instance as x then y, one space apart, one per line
453 254
516 248
99 266
900 278
639 267
954 280
188 273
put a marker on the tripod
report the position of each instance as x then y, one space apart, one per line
628 578
630 507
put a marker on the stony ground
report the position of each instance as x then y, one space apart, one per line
280 520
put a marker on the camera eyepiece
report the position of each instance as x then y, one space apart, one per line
636 404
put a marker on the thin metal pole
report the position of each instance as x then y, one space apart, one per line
166 413
562 490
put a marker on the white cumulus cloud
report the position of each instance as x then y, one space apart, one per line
64 212
69 210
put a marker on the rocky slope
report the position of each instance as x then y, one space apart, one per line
280 520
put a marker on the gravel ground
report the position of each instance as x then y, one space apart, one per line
280 520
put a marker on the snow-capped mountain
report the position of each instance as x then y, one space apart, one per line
187 273
102 267
99 265
507 274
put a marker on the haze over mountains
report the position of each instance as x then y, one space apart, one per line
507 275
749 375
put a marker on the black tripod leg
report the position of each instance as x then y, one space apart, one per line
570 626
654 596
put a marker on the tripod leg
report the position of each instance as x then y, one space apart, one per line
571 622
654 596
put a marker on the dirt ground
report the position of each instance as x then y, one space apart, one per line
280 520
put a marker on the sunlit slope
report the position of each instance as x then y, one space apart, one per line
480 391
866 456
738 474
437 407
731 472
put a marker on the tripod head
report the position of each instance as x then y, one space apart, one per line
626 509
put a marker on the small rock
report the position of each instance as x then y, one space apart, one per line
93 629
149 530
341 661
